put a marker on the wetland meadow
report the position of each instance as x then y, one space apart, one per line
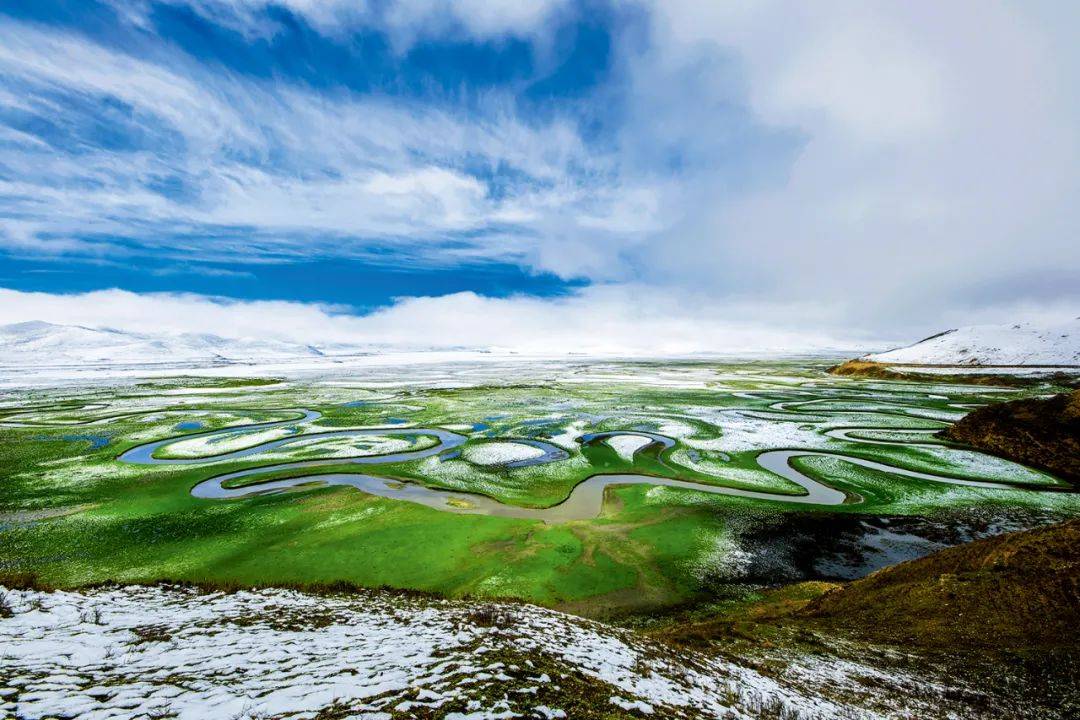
602 488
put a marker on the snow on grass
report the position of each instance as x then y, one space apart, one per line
676 429
77 472
743 432
505 484
499 453
158 651
970 463
713 465
626 445
657 377
722 558
211 390
208 420
344 447
205 446
915 497
567 439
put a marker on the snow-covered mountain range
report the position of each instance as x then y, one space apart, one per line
1022 344
39 344
42 343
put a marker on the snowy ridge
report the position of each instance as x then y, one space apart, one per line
987 345
42 343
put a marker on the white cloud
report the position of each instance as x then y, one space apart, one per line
413 201
602 319
405 21
285 163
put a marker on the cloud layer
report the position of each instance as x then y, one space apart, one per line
616 319
611 320
940 154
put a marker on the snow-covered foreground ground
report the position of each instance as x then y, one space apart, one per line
175 652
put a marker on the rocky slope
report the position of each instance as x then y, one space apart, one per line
993 620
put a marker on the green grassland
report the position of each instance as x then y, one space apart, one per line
71 514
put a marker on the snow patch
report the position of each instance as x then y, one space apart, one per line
626 445
499 453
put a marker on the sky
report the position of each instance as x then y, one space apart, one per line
647 176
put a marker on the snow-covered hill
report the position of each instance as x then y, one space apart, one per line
42 343
976 345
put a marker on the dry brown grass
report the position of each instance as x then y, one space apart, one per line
1019 590
1042 433
880 371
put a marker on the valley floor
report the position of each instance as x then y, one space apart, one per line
669 500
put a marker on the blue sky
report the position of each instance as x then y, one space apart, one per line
845 171
81 138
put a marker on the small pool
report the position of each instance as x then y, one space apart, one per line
96 441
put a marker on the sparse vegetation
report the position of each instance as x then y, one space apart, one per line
1014 591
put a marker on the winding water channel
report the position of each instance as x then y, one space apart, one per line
585 500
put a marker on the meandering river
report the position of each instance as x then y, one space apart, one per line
585 500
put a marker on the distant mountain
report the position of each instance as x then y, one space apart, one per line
988 345
42 343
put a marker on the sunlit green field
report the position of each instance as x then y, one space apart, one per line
72 513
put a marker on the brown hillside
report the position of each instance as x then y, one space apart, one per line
1019 590
880 371
1041 433
865 369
